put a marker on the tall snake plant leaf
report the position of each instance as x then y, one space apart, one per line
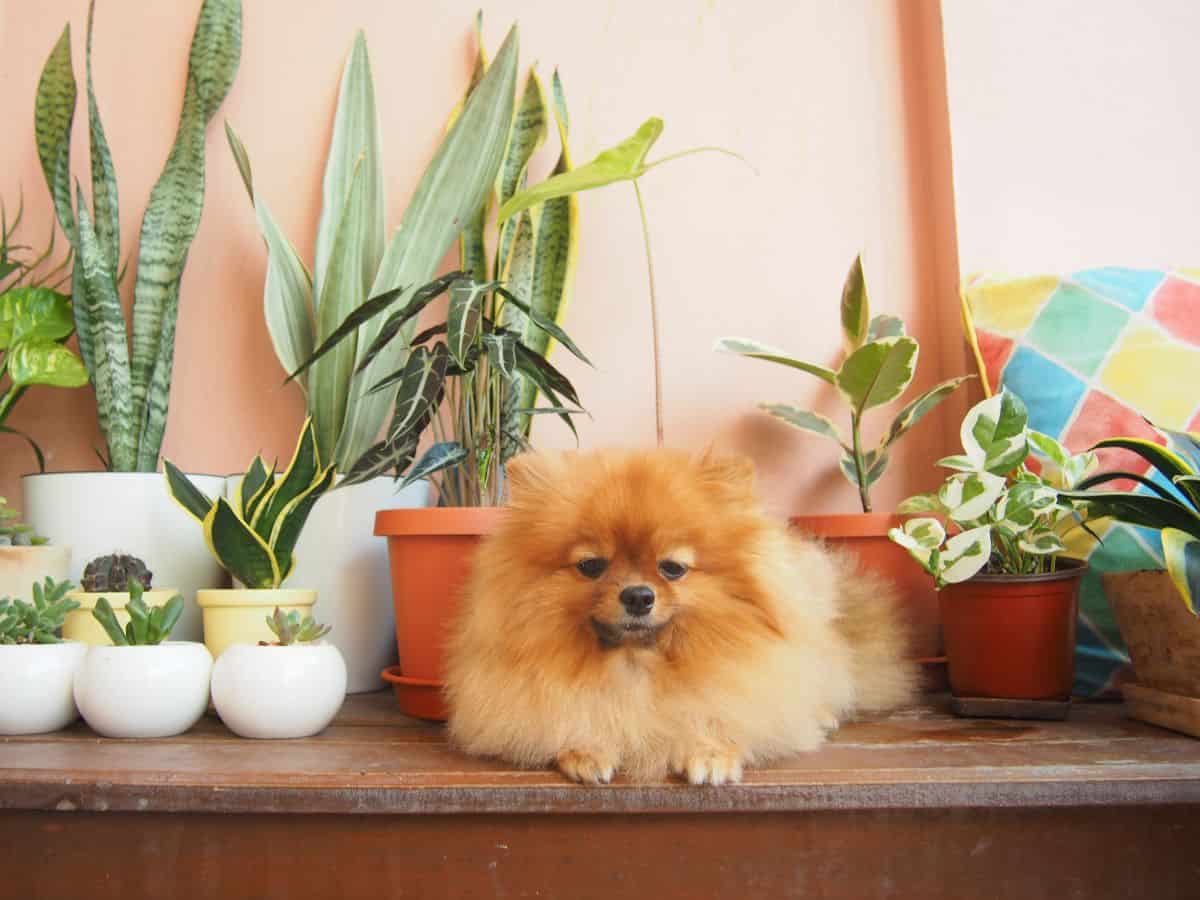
288 291
354 153
291 519
106 209
450 192
1170 464
528 134
54 112
248 485
340 289
472 246
1181 551
299 477
183 491
101 306
173 215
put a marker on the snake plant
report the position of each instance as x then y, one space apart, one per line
353 260
880 364
253 537
133 384
1171 507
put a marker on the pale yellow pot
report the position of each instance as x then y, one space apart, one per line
81 625
239 615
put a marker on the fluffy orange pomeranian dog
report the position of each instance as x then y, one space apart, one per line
638 612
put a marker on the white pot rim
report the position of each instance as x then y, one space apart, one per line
148 648
64 642
75 474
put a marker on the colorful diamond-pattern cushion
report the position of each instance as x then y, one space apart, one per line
1093 355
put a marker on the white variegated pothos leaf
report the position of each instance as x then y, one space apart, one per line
968 496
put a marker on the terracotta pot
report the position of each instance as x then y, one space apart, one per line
429 555
1162 636
865 535
1013 636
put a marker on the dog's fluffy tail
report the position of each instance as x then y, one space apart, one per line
870 620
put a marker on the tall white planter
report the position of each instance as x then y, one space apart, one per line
339 556
96 513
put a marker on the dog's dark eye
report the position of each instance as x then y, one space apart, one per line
671 570
593 567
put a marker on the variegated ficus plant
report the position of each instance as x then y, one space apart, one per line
133 386
879 365
253 536
996 515
482 160
1172 505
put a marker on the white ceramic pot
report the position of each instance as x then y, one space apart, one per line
278 692
20 567
339 556
143 692
97 513
81 625
37 680
239 615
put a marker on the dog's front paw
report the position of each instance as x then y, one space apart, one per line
586 767
708 766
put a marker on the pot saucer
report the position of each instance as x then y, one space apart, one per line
418 697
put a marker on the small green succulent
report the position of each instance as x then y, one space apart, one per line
289 628
36 622
147 624
15 533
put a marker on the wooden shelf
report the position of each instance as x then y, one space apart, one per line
917 804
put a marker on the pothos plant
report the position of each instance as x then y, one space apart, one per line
879 365
995 514
470 361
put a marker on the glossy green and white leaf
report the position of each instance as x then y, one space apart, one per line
502 354
43 361
958 463
856 309
36 313
804 420
993 433
964 555
1181 551
622 162
878 372
450 191
758 350
969 496
874 464
1041 543
918 408
464 321
920 503
1021 506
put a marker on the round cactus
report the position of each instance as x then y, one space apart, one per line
112 573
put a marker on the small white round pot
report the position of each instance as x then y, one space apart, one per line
81 625
278 692
20 567
37 681
143 692
239 615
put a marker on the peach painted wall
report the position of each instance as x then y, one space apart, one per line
840 107
1074 132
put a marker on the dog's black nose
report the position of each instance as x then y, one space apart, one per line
638 599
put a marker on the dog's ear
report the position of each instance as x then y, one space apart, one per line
531 473
733 475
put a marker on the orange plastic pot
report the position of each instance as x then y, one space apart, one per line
1013 636
430 552
865 535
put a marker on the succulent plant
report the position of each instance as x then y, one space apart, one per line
14 533
113 572
36 622
147 624
289 628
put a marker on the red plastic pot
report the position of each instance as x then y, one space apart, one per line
1013 636
430 552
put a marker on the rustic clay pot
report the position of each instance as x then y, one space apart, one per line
1013 636
1163 637
429 555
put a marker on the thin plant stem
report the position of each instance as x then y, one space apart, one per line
705 149
860 465
658 403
